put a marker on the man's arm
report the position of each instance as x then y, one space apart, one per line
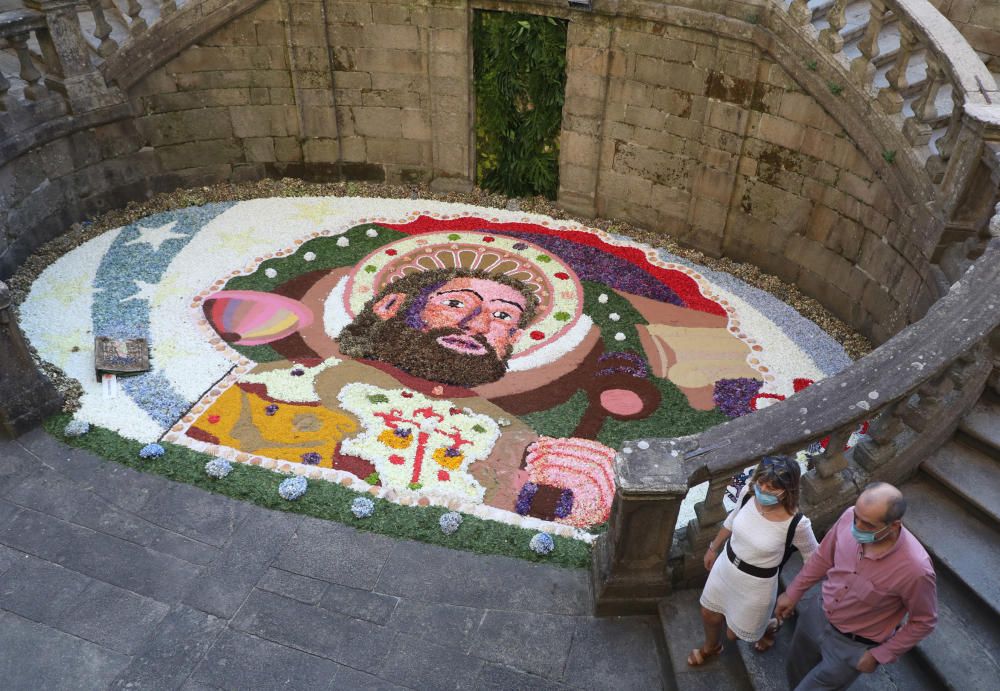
921 604
817 566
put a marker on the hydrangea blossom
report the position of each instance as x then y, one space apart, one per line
218 468
362 507
151 451
542 543
76 428
292 488
450 522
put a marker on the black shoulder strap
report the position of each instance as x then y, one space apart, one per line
791 536
746 497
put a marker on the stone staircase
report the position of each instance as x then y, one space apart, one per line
954 510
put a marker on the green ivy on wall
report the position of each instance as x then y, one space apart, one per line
520 84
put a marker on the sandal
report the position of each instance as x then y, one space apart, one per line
700 656
766 641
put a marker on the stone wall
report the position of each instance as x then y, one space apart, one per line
681 124
314 89
707 139
979 22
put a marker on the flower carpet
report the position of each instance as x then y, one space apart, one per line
438 357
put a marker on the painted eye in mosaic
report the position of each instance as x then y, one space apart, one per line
454 303
499 314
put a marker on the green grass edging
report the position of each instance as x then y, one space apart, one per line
324 500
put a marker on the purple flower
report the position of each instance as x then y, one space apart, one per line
402 432
271 409
452 452
565 504
524 498
520 246
311 458
733 396
298 372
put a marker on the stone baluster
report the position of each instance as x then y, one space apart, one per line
891 97
136 23
167 8
67 55
863 66
800 12
965 368
709 515
629 571
930 398
881 446
938 163
102 30
917 129
33 87
830 37
26 396
825 480
4 88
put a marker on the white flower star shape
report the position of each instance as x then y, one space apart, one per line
155 237
147 292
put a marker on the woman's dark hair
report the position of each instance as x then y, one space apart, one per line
783 473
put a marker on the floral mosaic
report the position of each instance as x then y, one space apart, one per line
490 362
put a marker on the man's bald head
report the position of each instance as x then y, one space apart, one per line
882 499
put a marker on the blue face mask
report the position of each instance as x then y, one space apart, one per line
764 498
866 537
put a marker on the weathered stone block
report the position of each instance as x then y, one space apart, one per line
416 125
401 151
188 100
200 154
287 149
780 131
264 121
378 122
259 149
186 126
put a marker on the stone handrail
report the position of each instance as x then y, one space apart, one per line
16 28
913 389
950 63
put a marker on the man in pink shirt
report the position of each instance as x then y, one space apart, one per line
876 574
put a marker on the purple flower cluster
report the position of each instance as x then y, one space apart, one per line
524 498
402 432
593 264
452 452
733 396
298 372
565 504
634 364
271 410
311 458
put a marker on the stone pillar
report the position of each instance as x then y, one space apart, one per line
449 76
26 396
588 61
629 573
69 69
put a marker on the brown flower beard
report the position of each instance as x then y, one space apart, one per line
418 353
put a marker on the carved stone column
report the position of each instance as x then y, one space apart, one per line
69 69
629 573
26 396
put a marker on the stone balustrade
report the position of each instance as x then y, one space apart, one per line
913 390
17 27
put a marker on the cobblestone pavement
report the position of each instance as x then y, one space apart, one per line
111 578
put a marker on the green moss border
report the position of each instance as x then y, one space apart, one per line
324 500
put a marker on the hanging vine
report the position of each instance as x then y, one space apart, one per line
520 83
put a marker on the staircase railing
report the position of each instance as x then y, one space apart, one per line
913 389
17 28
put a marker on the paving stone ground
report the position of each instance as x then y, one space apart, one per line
111 578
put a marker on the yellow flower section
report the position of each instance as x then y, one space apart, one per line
239 419
446 461
394 441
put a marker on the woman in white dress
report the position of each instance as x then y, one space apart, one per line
743 582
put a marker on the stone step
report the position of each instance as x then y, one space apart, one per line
957 539
982 425
964 649
969 473
680 616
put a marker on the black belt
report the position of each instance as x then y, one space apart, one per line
855 637
749 569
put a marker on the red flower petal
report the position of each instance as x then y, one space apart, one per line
487 239
396 459
391 253
537 335
443 475
562 275
214 418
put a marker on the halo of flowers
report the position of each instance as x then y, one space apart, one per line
362 507
293 487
